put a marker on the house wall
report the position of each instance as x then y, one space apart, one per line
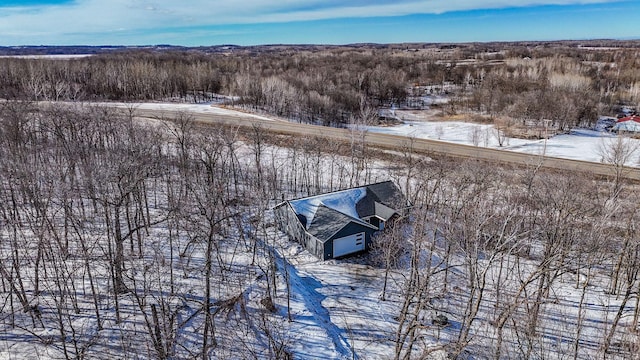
350 229
288 222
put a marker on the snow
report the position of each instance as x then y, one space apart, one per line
629 125
48 56
199 108
579 144
342 201
335 305
435 99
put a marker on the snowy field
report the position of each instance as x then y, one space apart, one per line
579 144
194 108
48 57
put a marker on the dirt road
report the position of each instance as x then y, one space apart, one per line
399 143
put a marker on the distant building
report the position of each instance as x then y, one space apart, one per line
627 124
341 223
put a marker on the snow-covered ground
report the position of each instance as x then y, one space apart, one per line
201 108
49 56
579 144
336 309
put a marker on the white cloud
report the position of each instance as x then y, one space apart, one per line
96 17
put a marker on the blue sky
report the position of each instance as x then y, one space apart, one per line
252 22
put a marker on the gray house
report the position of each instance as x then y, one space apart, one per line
341 222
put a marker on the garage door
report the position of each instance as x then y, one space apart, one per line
348 244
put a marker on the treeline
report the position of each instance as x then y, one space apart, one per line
569 85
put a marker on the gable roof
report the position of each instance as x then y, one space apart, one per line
384 193
635 118
324 215
327 222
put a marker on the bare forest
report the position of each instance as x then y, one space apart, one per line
570 83
130 238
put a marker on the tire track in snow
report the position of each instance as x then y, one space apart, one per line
306 287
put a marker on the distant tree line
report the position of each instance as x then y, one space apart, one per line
562 82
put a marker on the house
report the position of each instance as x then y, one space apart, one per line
342 222
627 124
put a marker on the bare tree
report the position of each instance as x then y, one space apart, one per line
618 152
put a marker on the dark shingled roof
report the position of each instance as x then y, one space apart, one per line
386 193
327 222
380 199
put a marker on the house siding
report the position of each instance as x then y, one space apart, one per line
288 223
349 229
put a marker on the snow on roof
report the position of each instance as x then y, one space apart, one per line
342 201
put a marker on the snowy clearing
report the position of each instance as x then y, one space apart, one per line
579 144
202 108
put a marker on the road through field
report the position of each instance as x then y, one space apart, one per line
394 142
